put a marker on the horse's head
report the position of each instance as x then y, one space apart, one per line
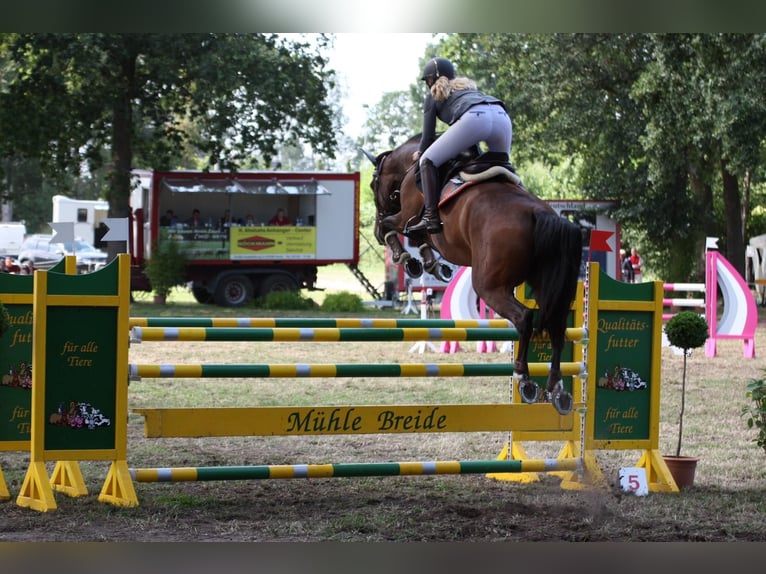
390 169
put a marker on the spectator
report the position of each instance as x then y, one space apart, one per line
168 219
226 220
280 218
11 266
637 263
195 220
627 267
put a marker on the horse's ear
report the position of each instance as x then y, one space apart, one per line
369 156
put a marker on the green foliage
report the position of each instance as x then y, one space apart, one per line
283 300
5 320
661 123
342 302
159 101
687 330
166 268
393 120
756 412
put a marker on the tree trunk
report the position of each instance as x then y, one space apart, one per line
118 193
735 246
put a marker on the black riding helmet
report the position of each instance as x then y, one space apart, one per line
437 67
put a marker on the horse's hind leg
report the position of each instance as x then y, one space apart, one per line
528 389
562 400
521 316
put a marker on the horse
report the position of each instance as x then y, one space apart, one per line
507 235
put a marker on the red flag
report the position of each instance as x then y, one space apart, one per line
599 240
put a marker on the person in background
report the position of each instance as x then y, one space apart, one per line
280 218
168 219
250 220
195 220
637 263
226 220
11 266
626 266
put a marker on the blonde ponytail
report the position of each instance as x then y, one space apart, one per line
443 87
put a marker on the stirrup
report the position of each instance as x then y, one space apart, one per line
431 225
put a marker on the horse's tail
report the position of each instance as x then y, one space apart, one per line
558 254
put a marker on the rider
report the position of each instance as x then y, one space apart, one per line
473 117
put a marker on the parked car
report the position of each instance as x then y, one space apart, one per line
38 250
12 235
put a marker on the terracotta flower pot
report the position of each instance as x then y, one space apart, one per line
682 468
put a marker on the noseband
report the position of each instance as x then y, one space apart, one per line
393 195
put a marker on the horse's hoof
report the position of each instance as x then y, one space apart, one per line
562 401
528 391
413 268
440 271
402 258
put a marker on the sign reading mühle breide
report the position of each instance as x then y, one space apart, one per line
79 385
626 346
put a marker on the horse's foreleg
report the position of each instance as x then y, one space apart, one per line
439 270
400 256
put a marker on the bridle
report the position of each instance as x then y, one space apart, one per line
393 195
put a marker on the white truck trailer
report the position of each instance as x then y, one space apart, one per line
86 214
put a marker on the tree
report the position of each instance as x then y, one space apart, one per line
705 92
392 121
668 124
66 100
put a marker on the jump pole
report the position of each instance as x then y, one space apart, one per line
344 470
139 334
232 371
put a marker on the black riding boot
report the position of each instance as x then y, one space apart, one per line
429 177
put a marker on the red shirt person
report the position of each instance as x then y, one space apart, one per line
280 218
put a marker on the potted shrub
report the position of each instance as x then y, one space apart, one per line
686 330
756 411
165 269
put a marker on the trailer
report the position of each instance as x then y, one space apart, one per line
232 253
86 214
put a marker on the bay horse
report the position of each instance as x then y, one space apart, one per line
507 235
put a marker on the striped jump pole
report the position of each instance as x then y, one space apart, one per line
138 371
682 301
140 334
189 474
353 322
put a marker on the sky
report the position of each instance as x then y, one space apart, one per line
369 65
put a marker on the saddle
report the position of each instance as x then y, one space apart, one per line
473 166
489 165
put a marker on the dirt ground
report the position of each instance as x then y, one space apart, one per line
394 509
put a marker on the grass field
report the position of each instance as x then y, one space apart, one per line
725 504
